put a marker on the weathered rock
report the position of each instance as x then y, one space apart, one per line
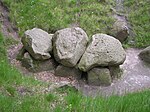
99 76
115 71
38 43
21 53
67 71
104 50
36 65
27 61
120 30
68 45
145 54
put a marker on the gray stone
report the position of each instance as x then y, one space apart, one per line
145 54
67 71
27 61
99 76
21 53
36 65
104 50
38 43
120 30
68 45
115 71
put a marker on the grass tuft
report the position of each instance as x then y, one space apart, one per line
51 97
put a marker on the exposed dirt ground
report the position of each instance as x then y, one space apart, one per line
8 29
136 77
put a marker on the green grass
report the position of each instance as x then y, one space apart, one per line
139 17
51 15
9 74
91 16
75 102
35 103
11 80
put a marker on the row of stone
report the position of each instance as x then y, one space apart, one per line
71 50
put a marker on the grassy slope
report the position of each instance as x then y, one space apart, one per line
91 15
139 18
51 15
11 80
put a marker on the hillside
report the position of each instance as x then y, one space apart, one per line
139 17
24 91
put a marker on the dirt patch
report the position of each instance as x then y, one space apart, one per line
136 77
8 29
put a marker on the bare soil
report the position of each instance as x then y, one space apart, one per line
136 77
8 29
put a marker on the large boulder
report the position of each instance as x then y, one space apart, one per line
104 50
38 43
145 54
67 71
99 76
36 65
69 45
120 30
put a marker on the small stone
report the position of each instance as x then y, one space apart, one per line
145 54
21 53
99 76
115 71
67 71
36 65
120 30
